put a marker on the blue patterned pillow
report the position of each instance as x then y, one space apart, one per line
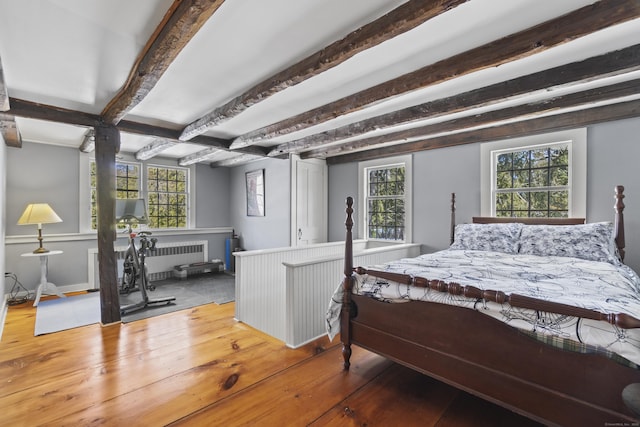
488 237
593 242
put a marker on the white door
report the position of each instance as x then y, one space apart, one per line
309 204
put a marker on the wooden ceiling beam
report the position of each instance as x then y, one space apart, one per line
173 135
571 26
607 65
89 141
9 131
32 110
243 158
200 156
535 126
398 21
8 126
181 22
154 148
519 112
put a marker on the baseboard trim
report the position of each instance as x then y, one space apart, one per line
3 314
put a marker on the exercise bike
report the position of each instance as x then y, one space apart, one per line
132 267
135 276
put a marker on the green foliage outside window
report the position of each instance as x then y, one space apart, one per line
167 192
533 183
385 203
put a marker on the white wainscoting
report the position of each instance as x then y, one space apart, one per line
285 292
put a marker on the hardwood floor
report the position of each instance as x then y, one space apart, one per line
200 367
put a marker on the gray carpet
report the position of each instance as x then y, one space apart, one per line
58 314
193 291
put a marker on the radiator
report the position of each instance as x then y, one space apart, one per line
160 263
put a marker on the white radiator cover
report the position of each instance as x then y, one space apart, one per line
160 263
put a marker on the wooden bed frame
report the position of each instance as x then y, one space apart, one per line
487 358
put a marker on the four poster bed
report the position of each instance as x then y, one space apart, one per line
558 355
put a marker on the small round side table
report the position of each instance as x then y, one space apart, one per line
45 286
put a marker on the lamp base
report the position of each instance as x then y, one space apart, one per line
40 250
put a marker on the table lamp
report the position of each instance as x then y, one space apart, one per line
39 213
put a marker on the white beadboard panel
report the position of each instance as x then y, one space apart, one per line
310 286
261 281
277 290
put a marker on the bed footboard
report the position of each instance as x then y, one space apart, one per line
491 360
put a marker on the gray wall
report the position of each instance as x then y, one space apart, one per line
613 153
40 173
273 229
343 182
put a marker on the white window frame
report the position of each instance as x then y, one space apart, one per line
145 190
576 141
363 168
85 187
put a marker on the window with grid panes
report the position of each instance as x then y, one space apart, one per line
167 196
532 182
127 186
386 203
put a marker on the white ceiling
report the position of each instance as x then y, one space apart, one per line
77 54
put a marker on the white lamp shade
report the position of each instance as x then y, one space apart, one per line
39 213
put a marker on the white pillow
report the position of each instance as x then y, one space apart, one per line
502 237
593 242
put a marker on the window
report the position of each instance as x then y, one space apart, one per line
387 199
532 182
165 189
538 176
127 186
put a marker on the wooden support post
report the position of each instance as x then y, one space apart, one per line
107 144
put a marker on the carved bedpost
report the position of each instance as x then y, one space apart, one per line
453 217
347 284
619 220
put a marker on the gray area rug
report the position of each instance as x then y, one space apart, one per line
67 313
193 291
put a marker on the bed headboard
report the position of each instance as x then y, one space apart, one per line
618 219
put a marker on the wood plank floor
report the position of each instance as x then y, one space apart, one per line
199 367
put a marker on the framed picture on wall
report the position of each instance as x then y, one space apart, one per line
255 193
